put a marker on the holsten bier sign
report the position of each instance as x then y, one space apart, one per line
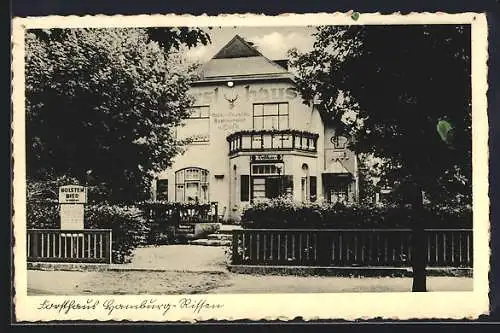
73 194
72 199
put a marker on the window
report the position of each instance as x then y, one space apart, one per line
259 188
266 169
191 185
271 186
312 188
303 189
162 189
268 181
270 116
304 183
197 126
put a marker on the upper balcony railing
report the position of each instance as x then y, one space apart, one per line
268 140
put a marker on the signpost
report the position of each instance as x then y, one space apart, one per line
72 199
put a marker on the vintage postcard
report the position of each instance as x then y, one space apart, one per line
189 168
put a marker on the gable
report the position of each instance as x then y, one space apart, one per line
240 58
237 48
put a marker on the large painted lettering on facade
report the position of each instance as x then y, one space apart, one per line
245 94
231 107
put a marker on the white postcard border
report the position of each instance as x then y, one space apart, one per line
347 306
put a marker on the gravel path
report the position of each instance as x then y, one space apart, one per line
119 283
179 258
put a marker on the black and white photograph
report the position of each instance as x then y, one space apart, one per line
214 157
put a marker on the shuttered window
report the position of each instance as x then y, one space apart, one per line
245 188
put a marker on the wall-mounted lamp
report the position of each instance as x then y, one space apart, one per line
233 96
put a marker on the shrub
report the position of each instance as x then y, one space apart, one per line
129 227
283 213
42 215
42 207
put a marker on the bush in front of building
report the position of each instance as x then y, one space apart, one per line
284 213
129 227
42 214
42 207
164 219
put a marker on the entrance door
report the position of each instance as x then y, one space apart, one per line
273 187
337 192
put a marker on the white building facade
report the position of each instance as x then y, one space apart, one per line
253 137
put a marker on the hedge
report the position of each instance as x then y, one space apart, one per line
282 213
42 215
129 227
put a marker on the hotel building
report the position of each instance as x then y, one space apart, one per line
253 137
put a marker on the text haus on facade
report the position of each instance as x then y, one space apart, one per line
253 137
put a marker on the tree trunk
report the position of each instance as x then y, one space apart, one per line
419 257
413 201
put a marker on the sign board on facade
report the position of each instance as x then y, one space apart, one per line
267 157
73 194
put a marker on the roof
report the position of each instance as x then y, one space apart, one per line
241 67
237 48
238 58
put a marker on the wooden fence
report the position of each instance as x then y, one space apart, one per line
349 247
72 246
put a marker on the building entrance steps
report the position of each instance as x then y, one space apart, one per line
213 240
210 242
228 228
222 237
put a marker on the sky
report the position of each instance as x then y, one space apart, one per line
272 42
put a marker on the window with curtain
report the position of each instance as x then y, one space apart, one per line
191 185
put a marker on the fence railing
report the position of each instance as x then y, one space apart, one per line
349 247
265 140
174 213
72 246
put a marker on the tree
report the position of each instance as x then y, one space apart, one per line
101 105
388 87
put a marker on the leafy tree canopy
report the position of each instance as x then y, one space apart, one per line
403 93
101 104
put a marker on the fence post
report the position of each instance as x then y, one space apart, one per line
110 239
235 254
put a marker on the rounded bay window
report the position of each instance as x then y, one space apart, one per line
191 185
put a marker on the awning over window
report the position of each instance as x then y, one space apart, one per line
336 168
